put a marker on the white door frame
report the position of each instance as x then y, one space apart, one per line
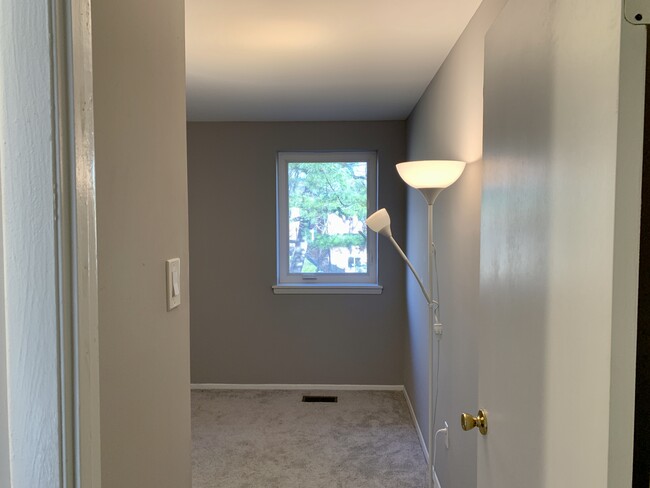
86 328
49 354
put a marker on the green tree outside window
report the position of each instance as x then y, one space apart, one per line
327 212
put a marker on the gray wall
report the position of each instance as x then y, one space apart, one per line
139 83
241 331
447 123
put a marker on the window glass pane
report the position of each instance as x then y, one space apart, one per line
327 212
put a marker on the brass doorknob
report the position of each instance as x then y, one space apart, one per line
467 422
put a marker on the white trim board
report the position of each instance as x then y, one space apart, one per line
423 445
425 452
237 386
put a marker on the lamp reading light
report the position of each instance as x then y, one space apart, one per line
380 222
430 177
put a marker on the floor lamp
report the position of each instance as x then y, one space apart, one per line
429 178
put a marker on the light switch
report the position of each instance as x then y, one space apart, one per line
173 268
176 287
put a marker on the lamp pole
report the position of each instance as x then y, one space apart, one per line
431 303
429 178
430 332
380 222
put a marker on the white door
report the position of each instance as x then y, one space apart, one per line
559 245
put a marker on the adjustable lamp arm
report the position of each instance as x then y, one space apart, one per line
379 222
415 273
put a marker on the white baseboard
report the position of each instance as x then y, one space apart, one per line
237 386
436 481
425 452
423 444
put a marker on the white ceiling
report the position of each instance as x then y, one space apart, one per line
269 60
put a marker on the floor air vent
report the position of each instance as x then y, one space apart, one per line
320 399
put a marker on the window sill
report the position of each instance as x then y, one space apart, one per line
314 289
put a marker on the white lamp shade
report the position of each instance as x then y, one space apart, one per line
380 222
430 174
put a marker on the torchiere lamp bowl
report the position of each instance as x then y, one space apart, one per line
430 177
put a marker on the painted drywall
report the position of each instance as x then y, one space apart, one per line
30 302
292 60
241 331
557 260
447 123
141 173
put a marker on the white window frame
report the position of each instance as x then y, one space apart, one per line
325 283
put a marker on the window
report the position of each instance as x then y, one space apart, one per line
323 199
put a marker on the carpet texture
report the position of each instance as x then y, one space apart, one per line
271 439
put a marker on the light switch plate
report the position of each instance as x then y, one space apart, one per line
173 272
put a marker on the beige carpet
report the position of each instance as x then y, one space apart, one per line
270 439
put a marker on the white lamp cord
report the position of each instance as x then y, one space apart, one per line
435 402
435 444
436 310
438 332
436 314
